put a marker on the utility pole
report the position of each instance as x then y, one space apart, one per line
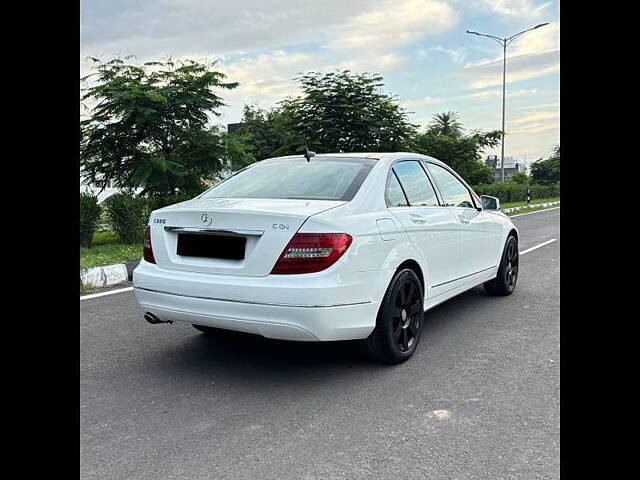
504 42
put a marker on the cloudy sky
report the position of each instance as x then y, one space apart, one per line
419 46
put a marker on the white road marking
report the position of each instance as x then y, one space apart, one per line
128 289
103 294
538 246
531 213
441 414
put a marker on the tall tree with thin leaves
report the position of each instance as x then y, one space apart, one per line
148 126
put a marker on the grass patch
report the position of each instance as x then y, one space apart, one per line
533 202
107 249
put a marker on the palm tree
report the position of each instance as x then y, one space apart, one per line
446 123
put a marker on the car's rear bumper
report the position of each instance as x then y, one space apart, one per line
306 308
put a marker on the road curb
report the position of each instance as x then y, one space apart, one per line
527 207
108 275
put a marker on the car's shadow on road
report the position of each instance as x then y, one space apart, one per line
241 355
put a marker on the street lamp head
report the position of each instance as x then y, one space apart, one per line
541 25
474 33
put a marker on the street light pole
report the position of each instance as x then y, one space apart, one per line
504 42
504 96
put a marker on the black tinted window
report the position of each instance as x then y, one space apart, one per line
395 196
319 179
416 184
453 191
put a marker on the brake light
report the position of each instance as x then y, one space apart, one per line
311 252
147 252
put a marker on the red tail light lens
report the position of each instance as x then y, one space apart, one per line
311 252
147 252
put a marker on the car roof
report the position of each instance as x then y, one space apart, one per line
370 155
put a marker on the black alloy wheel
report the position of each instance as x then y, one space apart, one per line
507 276
399 322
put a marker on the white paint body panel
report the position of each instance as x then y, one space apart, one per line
455 248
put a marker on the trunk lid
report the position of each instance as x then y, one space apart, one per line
262 227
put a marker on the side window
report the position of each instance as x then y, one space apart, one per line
395 195
416 184
453 191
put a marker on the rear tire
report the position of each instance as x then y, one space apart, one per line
507 277
399 321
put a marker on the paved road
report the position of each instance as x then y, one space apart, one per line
165 402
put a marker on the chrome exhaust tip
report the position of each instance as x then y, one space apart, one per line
153 320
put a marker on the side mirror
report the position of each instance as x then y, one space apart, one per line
490 203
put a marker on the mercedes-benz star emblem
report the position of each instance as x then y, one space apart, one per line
206 219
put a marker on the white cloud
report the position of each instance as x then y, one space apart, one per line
394 25
538 41
421 102
264 80
512 9
535 128
536 117
534 54
377 63
485 74
457 55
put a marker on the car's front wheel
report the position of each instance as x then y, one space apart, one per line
507 277
399 322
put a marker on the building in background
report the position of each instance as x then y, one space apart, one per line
511 167
232 127
99 188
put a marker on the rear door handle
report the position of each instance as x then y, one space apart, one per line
417 218
462 219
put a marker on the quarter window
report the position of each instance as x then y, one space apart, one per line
395 195
416 184
453 191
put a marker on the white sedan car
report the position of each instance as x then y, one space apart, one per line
326 247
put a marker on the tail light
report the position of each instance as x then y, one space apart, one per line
147 252
311 252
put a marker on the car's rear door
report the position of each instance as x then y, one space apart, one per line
477 228
432 228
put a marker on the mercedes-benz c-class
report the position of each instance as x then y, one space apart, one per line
326 247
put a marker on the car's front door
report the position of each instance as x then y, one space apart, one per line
477 228
432 228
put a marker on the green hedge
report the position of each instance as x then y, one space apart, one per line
89 218
128 215
516 192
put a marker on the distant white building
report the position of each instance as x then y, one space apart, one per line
511 167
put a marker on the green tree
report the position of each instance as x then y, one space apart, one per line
268 132
346 112
547 172
446 123
148 127
520 178
463 153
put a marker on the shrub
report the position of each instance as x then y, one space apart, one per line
128 216
89 218
516 192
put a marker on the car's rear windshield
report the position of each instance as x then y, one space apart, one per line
324 178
